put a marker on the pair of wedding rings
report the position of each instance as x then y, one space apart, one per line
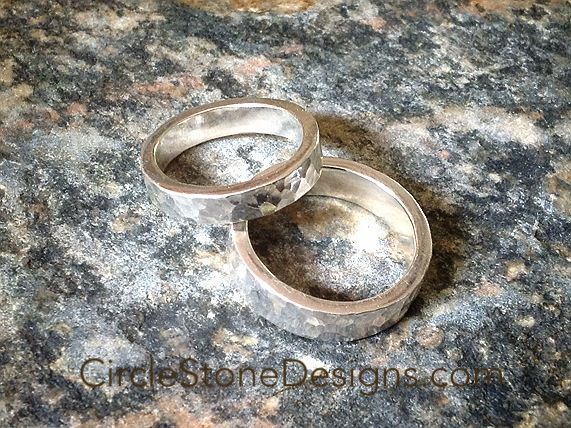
306 172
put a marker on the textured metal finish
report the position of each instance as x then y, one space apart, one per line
267 192
317 318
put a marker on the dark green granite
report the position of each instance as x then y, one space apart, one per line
467 104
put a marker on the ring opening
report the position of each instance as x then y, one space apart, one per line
230 160
349 239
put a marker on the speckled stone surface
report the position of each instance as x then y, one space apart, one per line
467 104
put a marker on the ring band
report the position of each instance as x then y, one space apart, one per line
269 191
317 318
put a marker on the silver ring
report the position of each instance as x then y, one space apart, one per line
267 192
317 318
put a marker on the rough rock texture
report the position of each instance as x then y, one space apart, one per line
466 104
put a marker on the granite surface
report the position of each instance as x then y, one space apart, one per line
467 104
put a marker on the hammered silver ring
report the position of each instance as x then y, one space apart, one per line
317 318
264 194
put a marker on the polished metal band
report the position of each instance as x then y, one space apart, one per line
267 192
313 317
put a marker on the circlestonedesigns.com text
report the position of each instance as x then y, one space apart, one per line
191 373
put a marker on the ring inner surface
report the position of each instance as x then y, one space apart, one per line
349 239
223 122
